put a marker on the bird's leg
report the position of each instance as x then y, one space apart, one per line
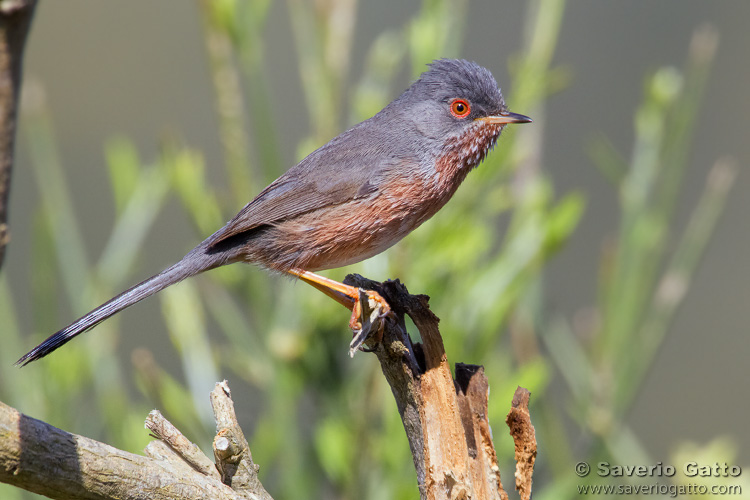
363 315
345 295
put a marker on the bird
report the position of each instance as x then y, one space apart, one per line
352 198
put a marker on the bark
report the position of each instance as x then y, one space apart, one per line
15 21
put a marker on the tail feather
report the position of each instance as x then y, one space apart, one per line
189 266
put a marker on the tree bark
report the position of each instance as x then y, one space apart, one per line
15 21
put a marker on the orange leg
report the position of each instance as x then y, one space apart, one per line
345 295
349 297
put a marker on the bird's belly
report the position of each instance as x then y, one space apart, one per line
342 234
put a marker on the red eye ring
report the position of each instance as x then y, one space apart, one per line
460 108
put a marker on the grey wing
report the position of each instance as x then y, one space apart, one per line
306 187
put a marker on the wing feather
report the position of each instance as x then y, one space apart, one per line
329 176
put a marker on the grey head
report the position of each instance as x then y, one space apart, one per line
449 97
455 104
448 79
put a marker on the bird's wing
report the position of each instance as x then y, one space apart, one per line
318 181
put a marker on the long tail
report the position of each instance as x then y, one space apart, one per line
193 263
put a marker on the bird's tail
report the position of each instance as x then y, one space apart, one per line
190 265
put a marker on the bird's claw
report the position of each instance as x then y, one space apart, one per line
368 313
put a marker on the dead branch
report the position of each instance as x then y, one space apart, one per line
524 437
15 20
180 445
233 457
43 459
445 420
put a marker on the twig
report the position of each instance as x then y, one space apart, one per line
233 457
170 435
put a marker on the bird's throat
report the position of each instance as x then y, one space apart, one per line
464 152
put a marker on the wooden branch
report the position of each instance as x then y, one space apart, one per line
524 437
473 393
233 457
445 421
179 444
15 20
43 459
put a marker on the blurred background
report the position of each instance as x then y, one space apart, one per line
599 257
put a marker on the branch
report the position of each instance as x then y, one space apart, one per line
524 437
180 445
446 421
233 457
43 459
15 20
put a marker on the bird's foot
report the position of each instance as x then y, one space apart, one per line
368 313
368 307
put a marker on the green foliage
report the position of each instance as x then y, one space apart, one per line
319 424
642 283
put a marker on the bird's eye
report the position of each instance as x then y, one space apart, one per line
460 108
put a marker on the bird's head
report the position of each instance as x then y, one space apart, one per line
459 106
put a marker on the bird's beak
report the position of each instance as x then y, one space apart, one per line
506 117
